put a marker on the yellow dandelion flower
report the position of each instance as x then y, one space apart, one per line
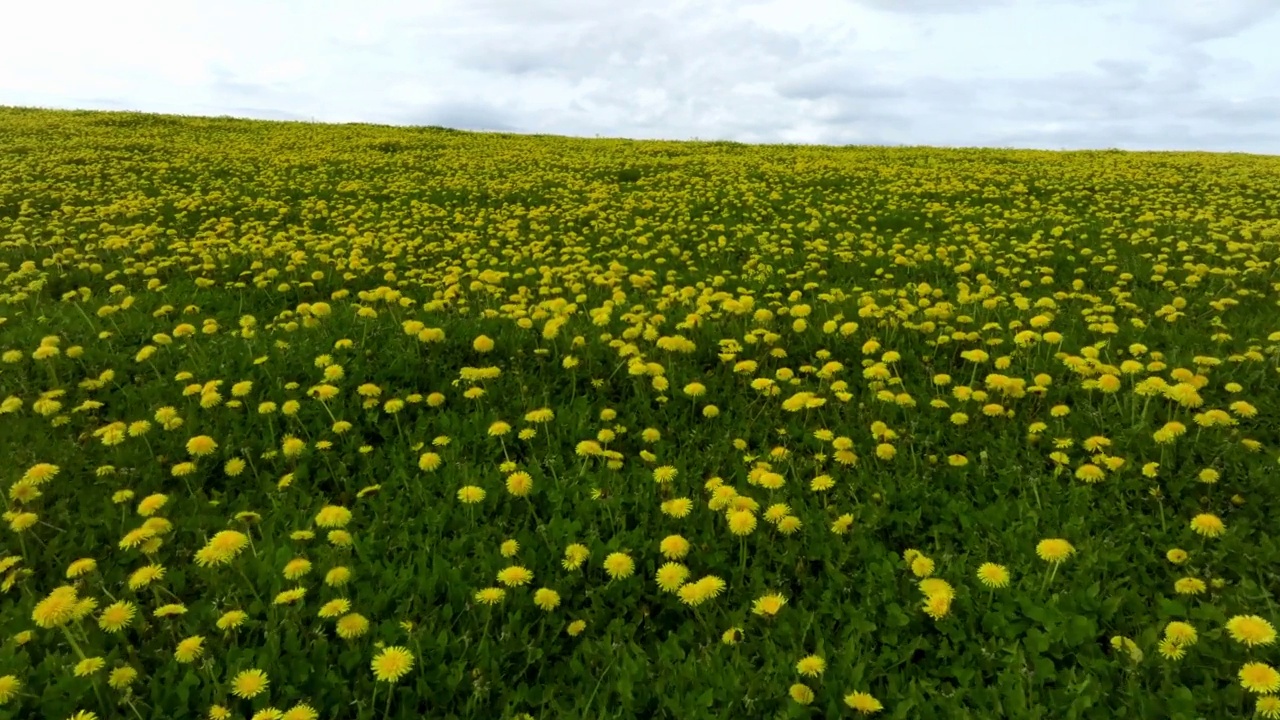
392 664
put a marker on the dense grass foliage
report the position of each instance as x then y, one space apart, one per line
355 422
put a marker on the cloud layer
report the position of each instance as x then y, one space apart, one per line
1138 74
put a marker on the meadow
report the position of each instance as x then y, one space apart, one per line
345 421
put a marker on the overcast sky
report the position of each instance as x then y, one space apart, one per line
1137 74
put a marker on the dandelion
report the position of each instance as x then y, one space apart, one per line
80 567
289 597
619 566
1208 525
116 616
1171 649
89 666
1181 633
546 599
768 605
470 494
921 566
801 693
248 684
334 608
232 619
301 711
337 577
392 664
490 596
56 609
993 575
189 649
514 576
811 666
350 627
1054 550
671 576
574 556
9 687
201 445
296 568
741 522
863 702
122 677
1251 630
1259 678
1189 586
674 547
519 483
222 548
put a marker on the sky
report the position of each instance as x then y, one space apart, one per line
1056 74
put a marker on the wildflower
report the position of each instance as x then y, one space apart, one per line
768 605
301 711
80 567
674 547
201 445
122 677
1208 525
1181 632
671 576
519 483
116 616
574 556
811 666
1054 550
864 703
337 577
470 494
222 548
89 666
429 461
9 687
619 566
296 568
1171 649
741 522
232 619
546 599
56 609
1251 630
1189 586
490 596
921 566
249 684
801 693
1259 677
993 575
189 649
334 608
289 597
514 576
352 626
392 664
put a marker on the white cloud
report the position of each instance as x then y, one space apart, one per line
1180 74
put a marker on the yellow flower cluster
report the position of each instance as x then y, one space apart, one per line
304 419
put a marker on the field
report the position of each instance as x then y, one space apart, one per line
308 421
